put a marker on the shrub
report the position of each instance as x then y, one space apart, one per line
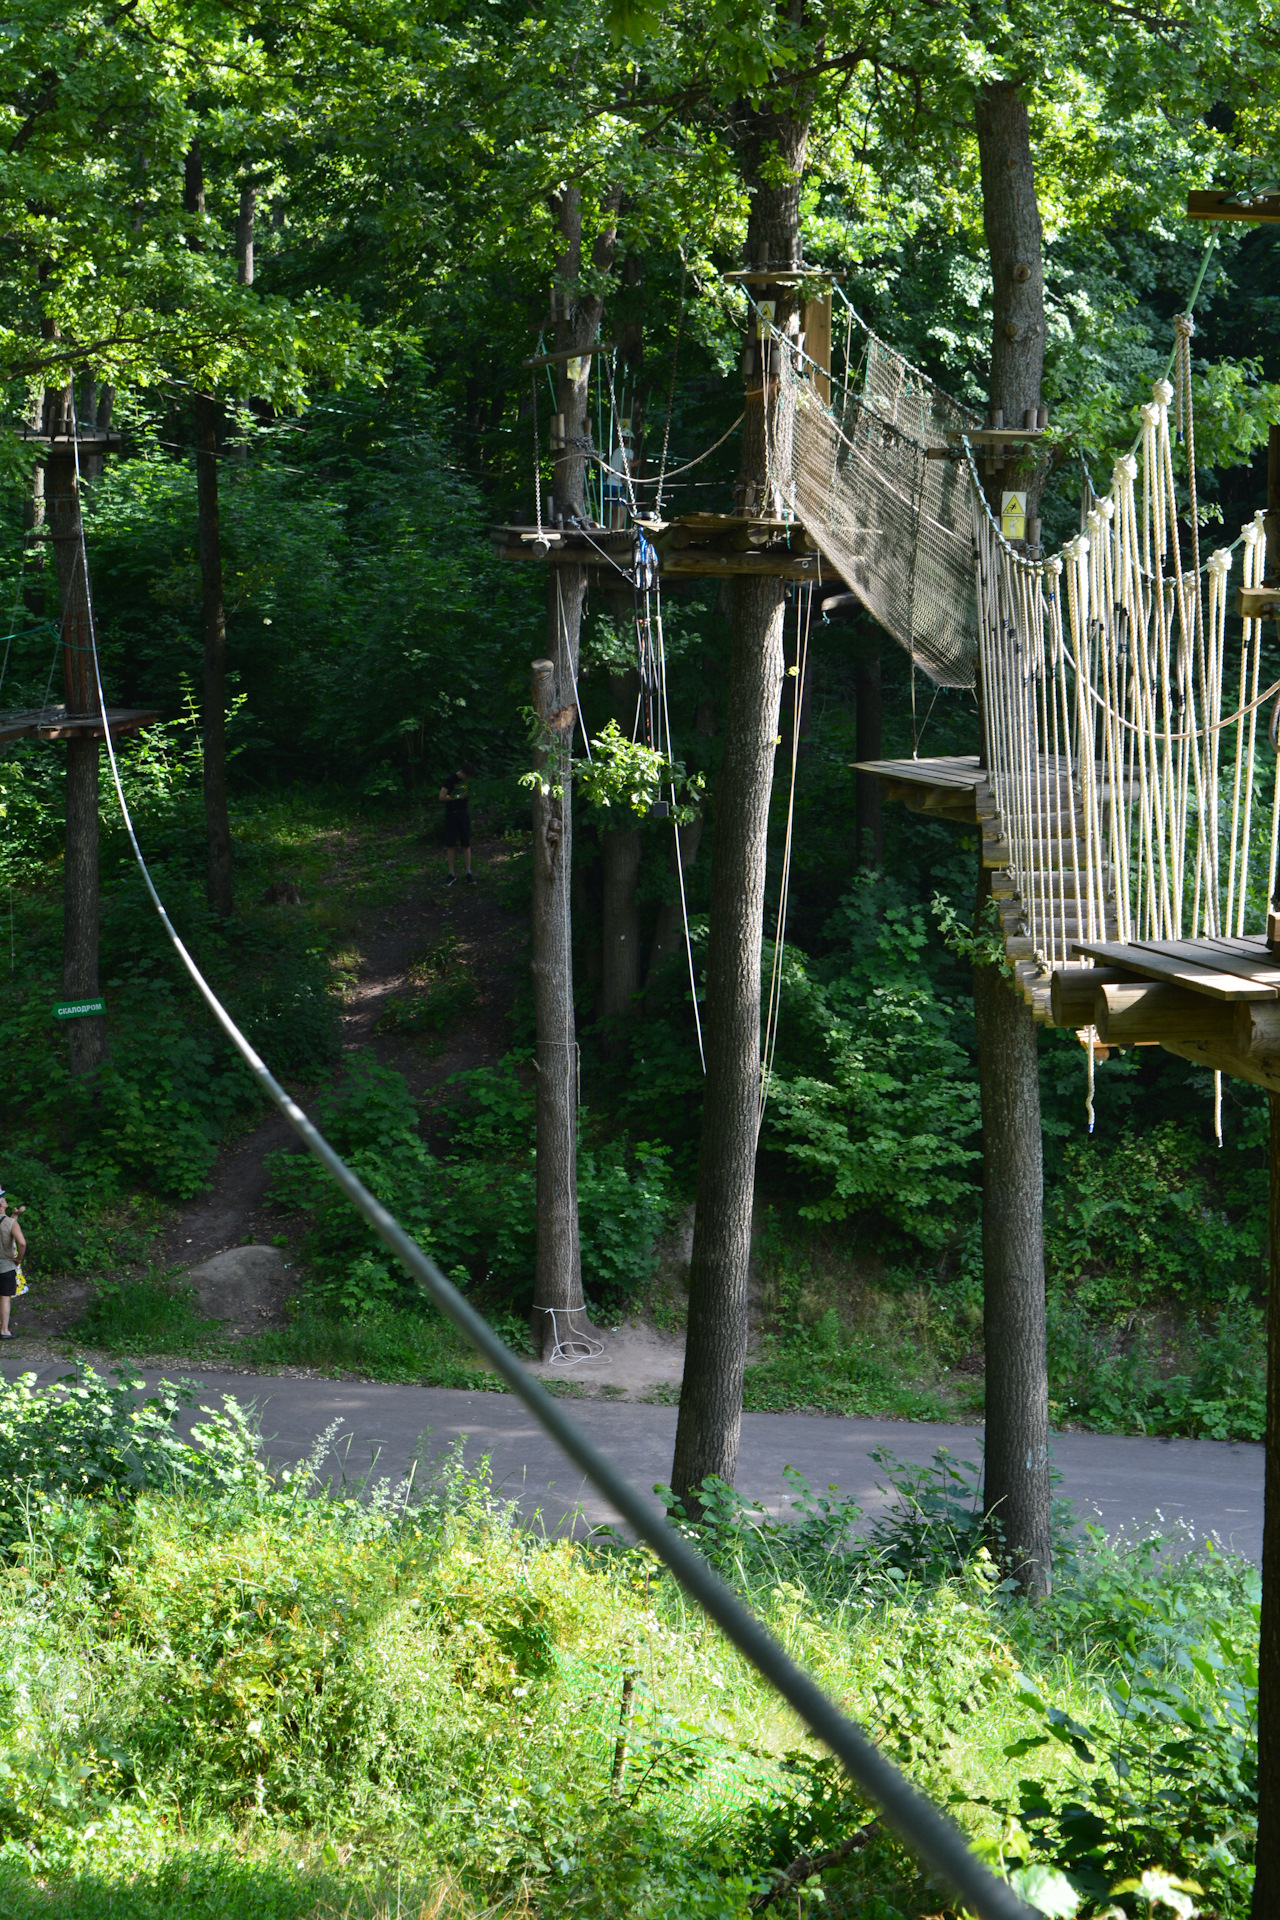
472 1204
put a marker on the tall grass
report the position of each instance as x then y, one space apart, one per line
222 1698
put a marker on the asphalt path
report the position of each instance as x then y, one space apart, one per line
1205 1488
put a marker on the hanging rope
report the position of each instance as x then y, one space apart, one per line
773 1008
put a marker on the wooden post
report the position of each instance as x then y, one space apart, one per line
817 344
87 1038
1266 1881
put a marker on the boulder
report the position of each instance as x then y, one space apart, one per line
236 1282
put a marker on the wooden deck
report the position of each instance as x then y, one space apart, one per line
55 723
704 546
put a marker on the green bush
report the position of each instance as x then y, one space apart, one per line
147 1314
74 1223
471 1205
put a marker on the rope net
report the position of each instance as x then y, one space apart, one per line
897 525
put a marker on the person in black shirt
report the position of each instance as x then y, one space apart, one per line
456 794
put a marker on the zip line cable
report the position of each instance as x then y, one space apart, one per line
930 1834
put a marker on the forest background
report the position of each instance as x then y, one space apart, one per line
351 293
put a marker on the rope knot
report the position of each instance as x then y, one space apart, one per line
1125 468
1161 392
1184 325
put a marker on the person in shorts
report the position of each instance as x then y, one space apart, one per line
456 794
13 1247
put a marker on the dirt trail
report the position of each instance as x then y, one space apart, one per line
490 936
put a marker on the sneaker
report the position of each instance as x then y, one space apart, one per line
451 879
469 877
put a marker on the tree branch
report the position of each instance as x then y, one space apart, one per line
808 1864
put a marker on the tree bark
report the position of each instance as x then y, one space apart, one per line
1266 1875
1011 222
772 148
558 1263
87 1037
218 888
868 744
558 1271
1017 1490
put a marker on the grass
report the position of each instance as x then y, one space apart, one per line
383 1343
151 1313
234 1701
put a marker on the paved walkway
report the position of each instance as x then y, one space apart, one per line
1212 1487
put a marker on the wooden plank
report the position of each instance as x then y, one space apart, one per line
1157 966
1217 204
570 353
1260 1072
1258 603
1244 966
707 563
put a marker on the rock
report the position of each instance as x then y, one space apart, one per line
237 1281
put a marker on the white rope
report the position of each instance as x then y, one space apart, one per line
773 1009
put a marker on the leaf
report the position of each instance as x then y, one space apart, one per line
1048 1890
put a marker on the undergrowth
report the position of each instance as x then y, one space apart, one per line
225 1698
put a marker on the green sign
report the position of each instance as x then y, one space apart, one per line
78 1009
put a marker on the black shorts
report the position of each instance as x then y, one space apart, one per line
9 1283
457 823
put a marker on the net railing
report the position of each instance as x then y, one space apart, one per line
879 491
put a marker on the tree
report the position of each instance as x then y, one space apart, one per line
771 143
578 304
1016 1489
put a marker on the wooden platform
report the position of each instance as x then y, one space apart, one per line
1213 1001
697 545
55 723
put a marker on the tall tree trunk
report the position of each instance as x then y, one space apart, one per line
868 744
773 147
558 1267
217 821
87 1037
1266 1873
558 1275
1016 1478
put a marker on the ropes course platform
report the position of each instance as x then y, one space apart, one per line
698 545
1215 1002
55 723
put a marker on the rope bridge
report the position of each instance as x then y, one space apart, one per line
1119 793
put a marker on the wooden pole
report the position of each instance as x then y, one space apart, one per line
1266 1882
87 1037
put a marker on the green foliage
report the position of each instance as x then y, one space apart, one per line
75 1222
98 1440
872 1100
146 1314
471 1204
